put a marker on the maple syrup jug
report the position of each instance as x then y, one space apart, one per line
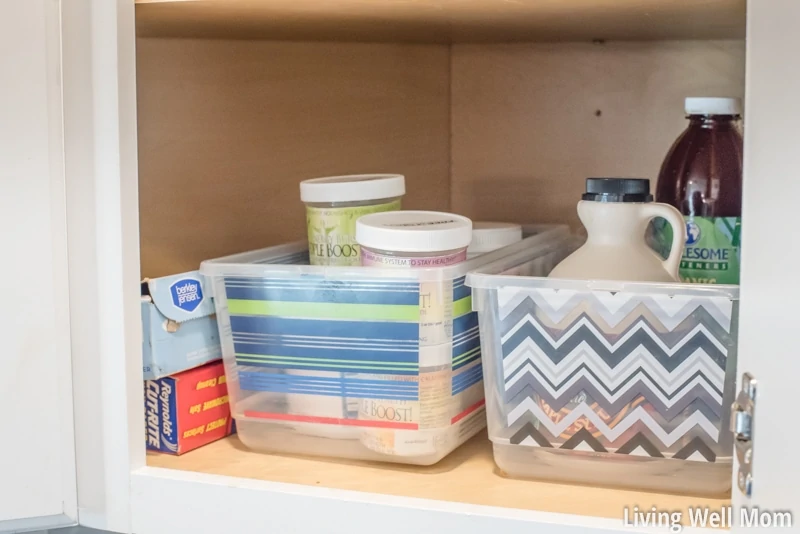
616 213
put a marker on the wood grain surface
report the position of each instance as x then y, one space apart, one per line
228 129
532 121
443 20
467 475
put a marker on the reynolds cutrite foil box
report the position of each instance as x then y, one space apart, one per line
187 410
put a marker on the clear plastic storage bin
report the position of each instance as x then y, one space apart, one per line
329 361
608 383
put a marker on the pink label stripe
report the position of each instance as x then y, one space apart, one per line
330 420
373 258
468 411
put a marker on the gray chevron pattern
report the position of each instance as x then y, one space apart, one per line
624 372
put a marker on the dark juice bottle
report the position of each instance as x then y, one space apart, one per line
702 177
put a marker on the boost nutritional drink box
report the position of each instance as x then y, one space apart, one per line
187 410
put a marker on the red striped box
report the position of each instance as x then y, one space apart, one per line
187 410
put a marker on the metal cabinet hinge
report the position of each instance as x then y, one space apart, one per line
742 413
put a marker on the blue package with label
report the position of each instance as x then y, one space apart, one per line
179 325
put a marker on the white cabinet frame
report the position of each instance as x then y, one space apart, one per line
102 219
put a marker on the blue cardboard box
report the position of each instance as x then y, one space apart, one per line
179 324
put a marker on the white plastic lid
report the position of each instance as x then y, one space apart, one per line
713 106
353 188
414 231
489 236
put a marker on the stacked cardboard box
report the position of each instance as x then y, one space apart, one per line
186 397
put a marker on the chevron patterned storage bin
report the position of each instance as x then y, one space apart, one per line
354 362
613 384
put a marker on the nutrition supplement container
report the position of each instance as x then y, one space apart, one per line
417 240
702 177
334 204
489 236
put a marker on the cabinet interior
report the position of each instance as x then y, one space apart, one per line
497 111
504 131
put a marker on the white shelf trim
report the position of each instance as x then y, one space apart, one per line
166 500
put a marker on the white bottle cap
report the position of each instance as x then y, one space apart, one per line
489 236
713 106
353 188
414 231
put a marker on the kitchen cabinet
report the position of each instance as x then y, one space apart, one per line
139 139
37 459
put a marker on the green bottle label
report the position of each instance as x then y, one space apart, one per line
713 248
332 233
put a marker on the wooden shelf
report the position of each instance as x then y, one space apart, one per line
443 20
468 475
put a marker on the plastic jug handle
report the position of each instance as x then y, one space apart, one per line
656 209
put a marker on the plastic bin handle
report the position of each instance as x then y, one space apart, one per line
675 219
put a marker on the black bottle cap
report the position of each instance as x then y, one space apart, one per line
618 190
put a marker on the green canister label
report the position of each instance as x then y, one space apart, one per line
332 233
713 248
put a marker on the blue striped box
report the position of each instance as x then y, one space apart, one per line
328 361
